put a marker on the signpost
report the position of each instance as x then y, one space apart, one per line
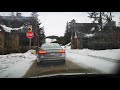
30 35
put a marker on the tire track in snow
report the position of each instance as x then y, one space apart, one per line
95 63
104 58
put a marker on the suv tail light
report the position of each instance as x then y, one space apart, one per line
61 51
42 52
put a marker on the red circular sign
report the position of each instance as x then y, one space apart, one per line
30 34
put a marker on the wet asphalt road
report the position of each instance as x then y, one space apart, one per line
55 68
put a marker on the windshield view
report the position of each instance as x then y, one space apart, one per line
40 44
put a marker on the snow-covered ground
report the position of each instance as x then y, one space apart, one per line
110 54
101 60
15 65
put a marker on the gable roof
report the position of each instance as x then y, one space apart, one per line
80 29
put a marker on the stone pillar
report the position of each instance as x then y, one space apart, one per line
75 43
72 43
15 42
12 43
80 43
2 41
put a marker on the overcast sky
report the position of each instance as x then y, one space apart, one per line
55 22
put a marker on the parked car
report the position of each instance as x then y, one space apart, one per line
51 52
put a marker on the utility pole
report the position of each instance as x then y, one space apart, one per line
30 44
30 35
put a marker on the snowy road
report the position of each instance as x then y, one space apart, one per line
78 60
103 64
56 68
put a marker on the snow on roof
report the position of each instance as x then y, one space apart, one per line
92 29
8 29
99 29
89 35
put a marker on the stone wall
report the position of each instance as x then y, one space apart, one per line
2 42
79 43
12 43
9 43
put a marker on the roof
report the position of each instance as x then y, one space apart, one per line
81 29
83 25
14 17
18 21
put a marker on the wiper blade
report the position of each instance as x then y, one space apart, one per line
61 74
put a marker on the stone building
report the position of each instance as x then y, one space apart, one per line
89 35
78 32
19 21
16 40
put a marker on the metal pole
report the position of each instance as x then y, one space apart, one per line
30 44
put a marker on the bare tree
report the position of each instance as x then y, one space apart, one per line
100 17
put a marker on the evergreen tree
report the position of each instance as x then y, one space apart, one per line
40 30
61 40
67 35
34 15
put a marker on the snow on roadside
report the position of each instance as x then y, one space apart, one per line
112 54
15 65
103 66
82 57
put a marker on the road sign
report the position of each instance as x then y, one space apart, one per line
30 34
30 28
